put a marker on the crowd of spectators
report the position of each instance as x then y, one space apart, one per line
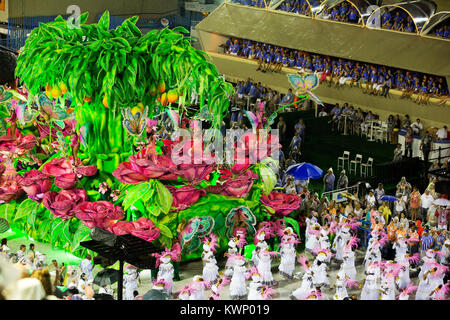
396 19
343 12
441 31
337 72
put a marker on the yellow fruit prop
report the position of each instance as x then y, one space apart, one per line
172 96
105 102
164 100
153 90
162 86
63 88
55 92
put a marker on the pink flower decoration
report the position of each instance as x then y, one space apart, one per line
67 172
282 203
35 184
62 204
185 196
142 228
237 187
102 214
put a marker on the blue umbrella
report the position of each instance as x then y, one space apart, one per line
304 170
388 198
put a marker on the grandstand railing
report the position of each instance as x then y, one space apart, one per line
334 194
274 4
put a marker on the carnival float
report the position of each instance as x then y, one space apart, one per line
79 146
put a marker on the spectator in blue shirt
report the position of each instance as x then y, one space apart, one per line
353 16
385 17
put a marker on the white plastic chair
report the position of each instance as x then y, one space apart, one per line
365 168
341 160
354 163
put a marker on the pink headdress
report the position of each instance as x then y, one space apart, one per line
352 243
187 289
315 232
440 269
314 294
268 233
442 292
353 225
267 292
410 288
161 281
292 238
332 228
383 240
394 269
241 242
351 283
327 252
211 240
302 260
415 258
174 254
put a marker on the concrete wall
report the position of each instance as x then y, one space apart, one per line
240 69
124 8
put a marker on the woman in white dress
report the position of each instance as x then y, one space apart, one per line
341 241
387 289
165 271
319 268
210 268
238 289
288 255
254 288
232 250
198 288
130 282
313 238
261 245
306 288
265 267
370 288
401 248
341 286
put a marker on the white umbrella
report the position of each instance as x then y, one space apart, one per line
441 202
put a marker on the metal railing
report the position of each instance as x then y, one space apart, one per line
334 194
439 158
13 43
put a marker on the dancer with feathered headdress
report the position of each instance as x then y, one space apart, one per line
238 289
342 237
164 265
404 295
210 268
265 266
217 287
233 248
288 255
348 263
307 286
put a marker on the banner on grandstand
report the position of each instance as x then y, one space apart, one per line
199 7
